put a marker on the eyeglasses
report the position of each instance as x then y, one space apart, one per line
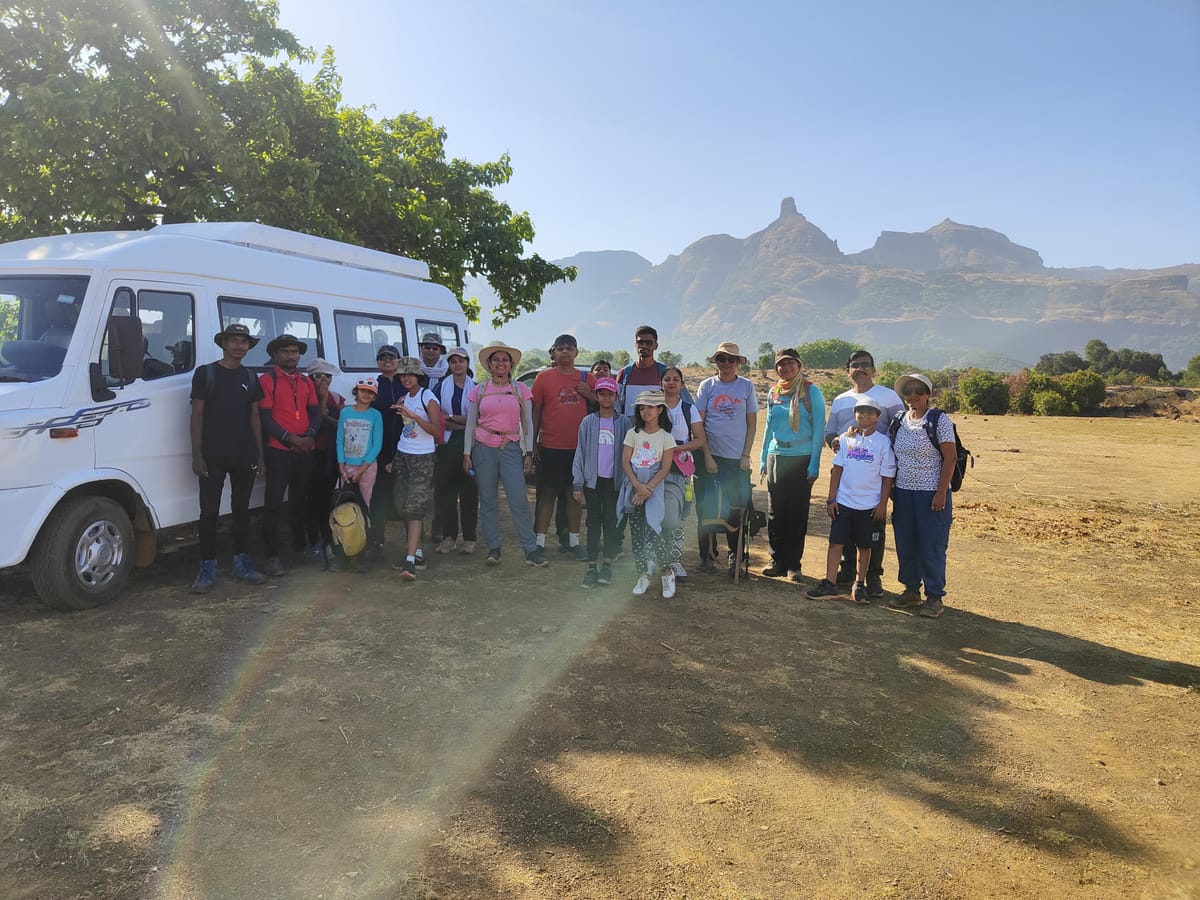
386 357
722 359
860 365
431 346
645 342
910 391
322 375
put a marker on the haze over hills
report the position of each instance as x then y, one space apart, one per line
951 295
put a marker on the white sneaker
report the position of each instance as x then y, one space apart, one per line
643 585
668 582
679 572
446 546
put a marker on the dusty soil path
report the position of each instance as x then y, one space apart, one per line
505 733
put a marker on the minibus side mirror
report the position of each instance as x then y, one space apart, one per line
126 348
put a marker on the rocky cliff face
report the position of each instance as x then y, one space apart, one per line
935 297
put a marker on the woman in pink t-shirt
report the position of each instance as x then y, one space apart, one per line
498 449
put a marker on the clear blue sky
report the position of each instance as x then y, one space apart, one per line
1073 127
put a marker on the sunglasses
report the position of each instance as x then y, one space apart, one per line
860 365
431 346
910 391
322 375
645 342
720 360
386 357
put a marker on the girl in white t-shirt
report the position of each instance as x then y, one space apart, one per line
412 467
646 461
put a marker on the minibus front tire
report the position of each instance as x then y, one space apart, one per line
84 554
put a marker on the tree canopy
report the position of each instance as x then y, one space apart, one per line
118 115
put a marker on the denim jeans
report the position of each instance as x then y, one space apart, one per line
922 536
502 465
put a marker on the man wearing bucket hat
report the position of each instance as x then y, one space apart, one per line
434 365
226 433
729 409
291 418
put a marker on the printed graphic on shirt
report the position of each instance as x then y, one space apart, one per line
726 405
644 455
860 452
607 438
356 438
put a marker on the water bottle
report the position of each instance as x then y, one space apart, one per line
689 492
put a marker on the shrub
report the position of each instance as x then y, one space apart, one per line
984 392
830 353
834 386
1085 389
1052 403
950 401
1020 395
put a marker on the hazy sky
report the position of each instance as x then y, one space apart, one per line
1072 127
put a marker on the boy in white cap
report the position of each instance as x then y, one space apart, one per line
860 484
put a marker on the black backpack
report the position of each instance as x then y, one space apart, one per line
961 454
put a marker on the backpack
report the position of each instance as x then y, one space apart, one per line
961 453
349 521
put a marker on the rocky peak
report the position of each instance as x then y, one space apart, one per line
788 208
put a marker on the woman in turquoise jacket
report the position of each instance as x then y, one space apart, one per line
791 458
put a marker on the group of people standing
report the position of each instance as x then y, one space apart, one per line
634 447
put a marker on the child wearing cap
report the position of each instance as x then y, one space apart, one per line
654 506
359 439
860 484
596 475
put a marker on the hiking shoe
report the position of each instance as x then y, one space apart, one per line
408 570
643 585
578 552
931 608
874 587
668 585
206 577
467 548
493 557
774 570
910 597
860 595
604 576
273 568
824 588
733 565
243 570
591 578
679 572
446 546
795 575
536 557
419 561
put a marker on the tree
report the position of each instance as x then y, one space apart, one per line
532 359
1097 354
1060 363
1085 390
192 121
1190 377
666 357
8 320
766 355
830 353
984 392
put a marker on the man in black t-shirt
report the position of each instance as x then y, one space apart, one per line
226 441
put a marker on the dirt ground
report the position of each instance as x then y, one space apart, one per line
484 733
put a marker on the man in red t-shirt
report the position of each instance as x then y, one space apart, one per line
560 401
291 418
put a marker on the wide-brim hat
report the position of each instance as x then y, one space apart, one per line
485 355
408 365
432 338
729 348
286 340
905 380
320 367
652 397
235 329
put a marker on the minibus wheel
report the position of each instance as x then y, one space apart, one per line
84 554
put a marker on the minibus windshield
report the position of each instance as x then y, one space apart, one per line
37 319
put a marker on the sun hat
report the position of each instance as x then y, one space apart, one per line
905 380
865 402
408 365
235 329
366 384
788 353
286 340
485 355
388 350
729 348
431 338
320 367
459 351
652 397
607 384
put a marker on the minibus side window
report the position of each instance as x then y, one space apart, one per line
447 331
269 320
359 335
167 317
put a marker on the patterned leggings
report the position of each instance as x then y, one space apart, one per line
649 547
